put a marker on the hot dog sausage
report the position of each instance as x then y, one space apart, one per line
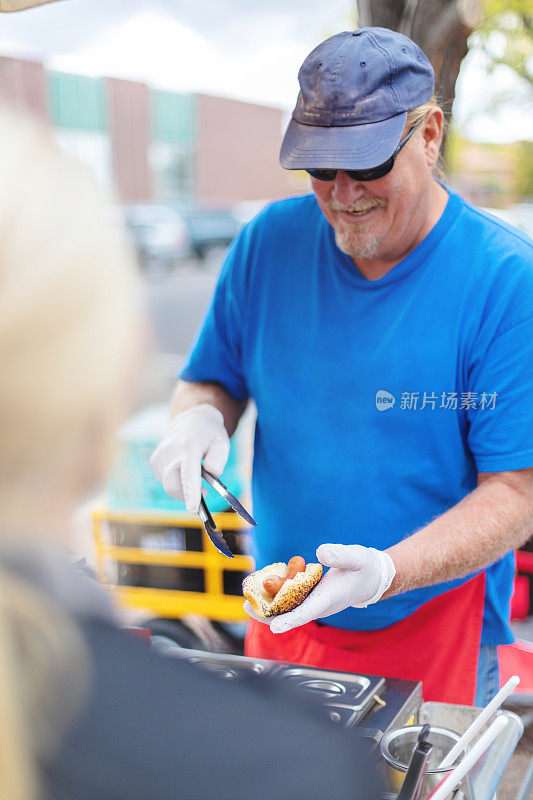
273 584
295 565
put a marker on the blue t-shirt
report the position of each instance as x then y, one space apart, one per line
378 401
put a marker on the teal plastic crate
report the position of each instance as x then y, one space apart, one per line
132 483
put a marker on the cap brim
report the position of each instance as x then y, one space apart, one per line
341 147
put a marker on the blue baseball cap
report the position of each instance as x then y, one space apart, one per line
355 91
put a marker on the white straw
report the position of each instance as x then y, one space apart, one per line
446 787
478 723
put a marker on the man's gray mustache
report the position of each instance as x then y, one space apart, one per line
377 202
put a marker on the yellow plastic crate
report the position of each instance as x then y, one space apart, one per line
131 547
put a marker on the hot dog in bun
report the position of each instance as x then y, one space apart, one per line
280 587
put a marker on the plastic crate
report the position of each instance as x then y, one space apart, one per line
132 483
164 563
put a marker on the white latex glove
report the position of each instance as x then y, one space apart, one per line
194 435
358 576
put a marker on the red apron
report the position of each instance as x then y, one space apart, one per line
438 645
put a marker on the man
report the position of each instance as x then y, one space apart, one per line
384 328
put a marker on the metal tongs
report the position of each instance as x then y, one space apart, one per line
416 774
415 778
208 522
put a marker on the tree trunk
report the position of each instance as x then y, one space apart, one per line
440 27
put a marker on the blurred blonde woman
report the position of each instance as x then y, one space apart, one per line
69 321
86 711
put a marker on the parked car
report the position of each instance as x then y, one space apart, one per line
211 228
159 234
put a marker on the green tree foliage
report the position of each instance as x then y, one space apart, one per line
506 36
508 166
524 170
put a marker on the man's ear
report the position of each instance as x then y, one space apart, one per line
432 133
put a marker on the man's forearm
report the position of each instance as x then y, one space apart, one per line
187 395
493 519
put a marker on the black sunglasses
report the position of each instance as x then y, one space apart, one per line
371 174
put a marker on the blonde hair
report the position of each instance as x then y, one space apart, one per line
44 679
68 308
69 319
416 115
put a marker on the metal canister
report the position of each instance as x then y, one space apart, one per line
397 748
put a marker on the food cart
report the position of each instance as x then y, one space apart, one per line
369 707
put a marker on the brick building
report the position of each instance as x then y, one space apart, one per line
145 143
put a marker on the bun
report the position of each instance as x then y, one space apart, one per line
292 593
